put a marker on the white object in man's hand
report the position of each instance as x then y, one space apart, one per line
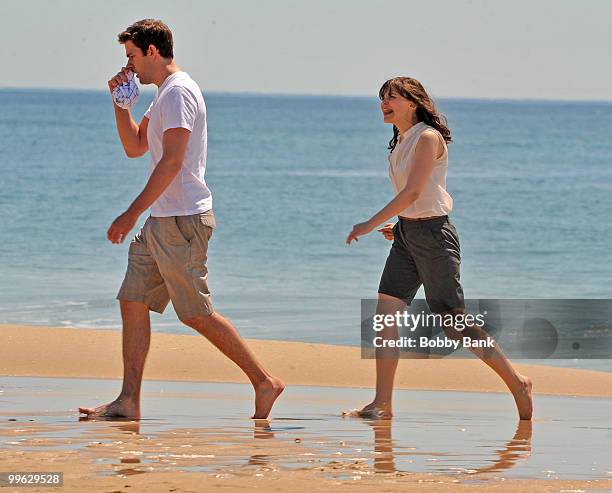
125 91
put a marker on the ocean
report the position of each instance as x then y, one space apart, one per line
290 175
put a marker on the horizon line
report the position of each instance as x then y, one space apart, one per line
297 94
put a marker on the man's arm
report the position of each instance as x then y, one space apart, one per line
174 143
133 136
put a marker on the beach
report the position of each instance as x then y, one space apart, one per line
455 429
235 177
90 353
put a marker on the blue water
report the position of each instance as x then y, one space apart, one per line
290 175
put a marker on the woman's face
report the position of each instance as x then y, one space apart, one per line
396 108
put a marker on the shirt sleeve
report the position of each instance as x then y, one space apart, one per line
179 109
148 112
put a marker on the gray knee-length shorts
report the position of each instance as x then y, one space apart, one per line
425 252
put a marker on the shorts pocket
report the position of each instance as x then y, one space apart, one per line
444 236
394 230
207 219
138 249
432 235
178 232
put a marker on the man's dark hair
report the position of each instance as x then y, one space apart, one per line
149 32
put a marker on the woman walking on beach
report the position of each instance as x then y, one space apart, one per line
425 246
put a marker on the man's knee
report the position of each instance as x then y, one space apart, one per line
197 322
133 307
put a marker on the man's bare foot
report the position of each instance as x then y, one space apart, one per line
119 408
265 396
523 399
373 410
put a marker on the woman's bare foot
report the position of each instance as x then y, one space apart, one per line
523 398
119 408
373 410
265 396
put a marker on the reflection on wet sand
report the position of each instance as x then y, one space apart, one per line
383 446
132 427
517 449
445 434
261 431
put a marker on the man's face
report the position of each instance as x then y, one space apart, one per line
138 62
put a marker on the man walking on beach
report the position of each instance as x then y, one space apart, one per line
167 257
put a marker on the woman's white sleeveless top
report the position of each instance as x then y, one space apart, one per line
434 200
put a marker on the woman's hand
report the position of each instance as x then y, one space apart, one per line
387 231
360 229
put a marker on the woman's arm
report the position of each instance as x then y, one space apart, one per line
425 154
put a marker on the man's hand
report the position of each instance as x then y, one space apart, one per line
360 229
120 78
121 227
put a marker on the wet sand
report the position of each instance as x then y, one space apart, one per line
196 436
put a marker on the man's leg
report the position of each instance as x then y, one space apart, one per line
183 266
136 340
220 332
518 384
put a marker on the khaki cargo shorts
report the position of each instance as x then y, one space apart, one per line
167 262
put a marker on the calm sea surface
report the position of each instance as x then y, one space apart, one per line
290 175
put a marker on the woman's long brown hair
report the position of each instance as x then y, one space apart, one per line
413 90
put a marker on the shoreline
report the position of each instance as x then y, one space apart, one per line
96 353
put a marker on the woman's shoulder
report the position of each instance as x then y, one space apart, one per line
428 136
429 130
432 136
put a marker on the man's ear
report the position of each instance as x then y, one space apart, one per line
151 50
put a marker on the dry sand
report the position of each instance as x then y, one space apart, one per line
86 353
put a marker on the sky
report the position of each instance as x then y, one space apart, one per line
520 49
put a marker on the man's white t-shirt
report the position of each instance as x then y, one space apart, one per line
179 104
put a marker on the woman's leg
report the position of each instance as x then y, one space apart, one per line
401 278
386 358
386 361
518 384
437 254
